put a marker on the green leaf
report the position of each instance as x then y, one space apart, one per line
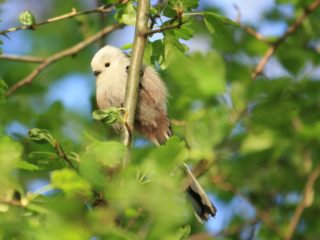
3 90
208 72
109 116
41 136
258 142
172 49
209 26
183 5
10 156
214 21
127 46
173 152
27 18
157 52
205 129
70 182
184 31
126 13
109 153
183 232
98 157
28 166
220 18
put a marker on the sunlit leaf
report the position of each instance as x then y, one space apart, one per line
126 13
28 166
70 182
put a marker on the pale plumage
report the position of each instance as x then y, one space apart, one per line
151 115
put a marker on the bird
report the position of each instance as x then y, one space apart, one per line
110 65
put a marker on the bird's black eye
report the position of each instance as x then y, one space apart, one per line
107 64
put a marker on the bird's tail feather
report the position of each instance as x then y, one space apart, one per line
202 205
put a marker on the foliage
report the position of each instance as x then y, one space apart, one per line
257 139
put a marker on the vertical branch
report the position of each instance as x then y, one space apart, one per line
135 67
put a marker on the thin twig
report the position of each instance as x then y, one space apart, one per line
18 58
249 30
73 13
135 67
60 55
61 153
162 29
308 189
276 44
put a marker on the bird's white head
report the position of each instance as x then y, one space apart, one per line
108 58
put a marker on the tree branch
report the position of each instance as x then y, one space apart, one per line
162 29
60 55
17 58
308 189
61 154
276 44
250 30
135 66
73 13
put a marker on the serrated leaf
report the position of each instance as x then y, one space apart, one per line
108 116
70 182
27 18
41 136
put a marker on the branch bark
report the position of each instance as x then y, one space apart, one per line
308 189
275 45
162 29
17 58
131 98
73 13
60 55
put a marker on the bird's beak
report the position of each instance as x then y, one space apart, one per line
96 73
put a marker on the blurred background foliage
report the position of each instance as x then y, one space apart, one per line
253 141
